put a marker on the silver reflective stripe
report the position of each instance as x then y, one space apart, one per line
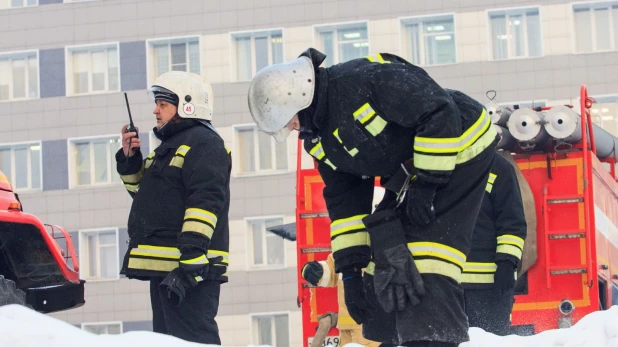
466 141
155 252
480 267
361 115
196 214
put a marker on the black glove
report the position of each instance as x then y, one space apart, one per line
504 278
419 199
354 293
312 272
194 263
396 278
175 285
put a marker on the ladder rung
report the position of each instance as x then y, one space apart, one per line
313 215
315 250
565 199
566 271
567 234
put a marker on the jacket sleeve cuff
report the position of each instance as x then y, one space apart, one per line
128 166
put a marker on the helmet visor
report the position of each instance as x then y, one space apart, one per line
160 93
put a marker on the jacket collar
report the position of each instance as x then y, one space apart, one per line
173 127
317 112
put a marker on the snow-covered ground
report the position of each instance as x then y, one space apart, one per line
22 327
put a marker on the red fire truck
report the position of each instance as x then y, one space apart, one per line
575 197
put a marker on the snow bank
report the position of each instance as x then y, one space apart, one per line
23 327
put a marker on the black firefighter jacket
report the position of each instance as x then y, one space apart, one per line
371 115
500 228
181 199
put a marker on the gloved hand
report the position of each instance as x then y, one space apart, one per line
312 272
354 293
396 277
175 285
419 199
504 278
194 264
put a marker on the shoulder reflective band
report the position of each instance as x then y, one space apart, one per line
367 116
490 182
179 157
377 59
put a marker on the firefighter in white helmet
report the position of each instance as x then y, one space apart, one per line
380 116
178 224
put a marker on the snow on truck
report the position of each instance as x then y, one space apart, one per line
35 270
566 170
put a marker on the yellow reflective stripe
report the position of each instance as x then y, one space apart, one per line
156 251
509 249
360 238
177 161
437 250
377 59
227 150
489 187
214 253
477 147
198 227
454 144
351 152
475 131
182 150
433 162
152 264
376 126
492 178
371 268
133 178
317 151
509 239
477 278
364 113
327 161
131 187
480 267
341 226
200 214
438 267
196 261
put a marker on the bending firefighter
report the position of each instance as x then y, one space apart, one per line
380 116
497 245
323 274
178 224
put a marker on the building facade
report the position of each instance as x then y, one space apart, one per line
64 67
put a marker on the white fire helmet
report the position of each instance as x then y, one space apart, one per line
192 92
280 91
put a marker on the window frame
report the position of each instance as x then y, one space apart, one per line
26 6
11 175
403 35
237 173
252 324
590 5
150 55
24 53
69 68
108 323
252 34
490 44
82 262
250 264
316 29
72 165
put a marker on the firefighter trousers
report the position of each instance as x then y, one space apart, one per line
439 250
194 319
490 310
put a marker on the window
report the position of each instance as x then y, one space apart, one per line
429 40
258 152
267 249
98 254
515 33
254 51
22 164
92 160
175 54
343 42
92 69
271 330
19 75
604 113
112 328
596 26
17 3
